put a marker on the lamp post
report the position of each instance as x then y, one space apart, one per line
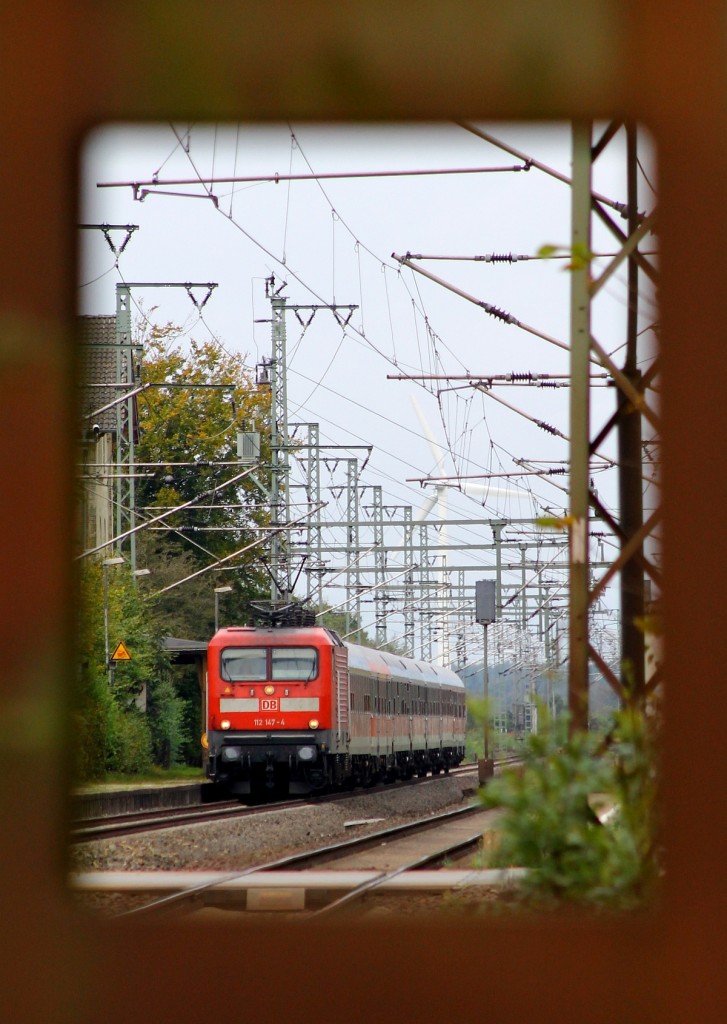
218 591
106 563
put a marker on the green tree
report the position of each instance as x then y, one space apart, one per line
188 423
113 733
199 397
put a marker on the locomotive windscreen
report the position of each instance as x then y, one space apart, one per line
244 663
294 663
258 664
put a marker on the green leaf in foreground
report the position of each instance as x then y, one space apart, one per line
550 826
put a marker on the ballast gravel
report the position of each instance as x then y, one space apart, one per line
254 839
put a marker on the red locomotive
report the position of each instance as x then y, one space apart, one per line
296 710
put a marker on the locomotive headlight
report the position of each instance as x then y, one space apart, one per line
225 723
313 724
269 690
306 753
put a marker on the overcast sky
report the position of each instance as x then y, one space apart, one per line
331 241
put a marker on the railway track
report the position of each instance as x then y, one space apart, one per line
404 859
115 826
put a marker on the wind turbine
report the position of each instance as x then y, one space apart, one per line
467 487
439 498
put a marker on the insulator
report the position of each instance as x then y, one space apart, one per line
557 470
547 426
499 314
501 257
521 376
550 384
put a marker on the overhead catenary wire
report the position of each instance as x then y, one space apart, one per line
511 257
494 311
269 533
455 429
179 508
366 340
538 164
387 419
143 187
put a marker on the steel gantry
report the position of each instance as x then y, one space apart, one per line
276 375
128 362
126 425
404 569
425 567
632 409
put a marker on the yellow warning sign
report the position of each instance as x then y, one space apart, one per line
121 653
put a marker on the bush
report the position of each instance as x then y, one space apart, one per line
93 712
166 712
90 733
129 748
550 827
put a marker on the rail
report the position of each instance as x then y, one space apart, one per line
296 874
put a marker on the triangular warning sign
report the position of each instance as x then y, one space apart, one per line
121 653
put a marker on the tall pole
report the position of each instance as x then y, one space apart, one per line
313 489
524 586
425 598
279 436
379 565
125 483
497 526
485 613
353 570
580 332
125 419
409 636
106 617
486 690
630 466
279 491
117 560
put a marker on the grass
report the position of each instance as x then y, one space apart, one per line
155 776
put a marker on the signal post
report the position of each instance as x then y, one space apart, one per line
485 614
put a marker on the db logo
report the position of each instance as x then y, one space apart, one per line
268 705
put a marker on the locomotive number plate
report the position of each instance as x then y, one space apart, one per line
269 705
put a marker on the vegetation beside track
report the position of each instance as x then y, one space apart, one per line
154 776
549 825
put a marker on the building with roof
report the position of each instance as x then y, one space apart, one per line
108 429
